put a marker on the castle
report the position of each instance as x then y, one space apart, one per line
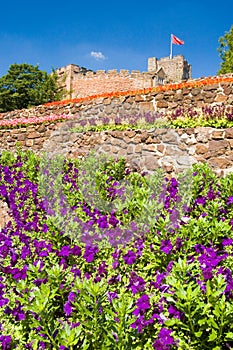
81 82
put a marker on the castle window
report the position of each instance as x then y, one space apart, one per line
160 80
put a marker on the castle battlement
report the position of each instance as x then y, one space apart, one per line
81 82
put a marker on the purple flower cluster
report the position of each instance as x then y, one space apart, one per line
142 305
5 340
208 113
164 340
30 245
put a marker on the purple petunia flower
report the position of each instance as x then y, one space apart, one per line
174 312
207 273
75 325
25 252
68 308
143 302
200 200
158 313
129 258
227 241
115 264
76 251
65 251
43 253
5 340
87 275
90 252
112 295
178 243
44 228
42 344
136 283
230 200
18 274
114 279
3 301
139 324
75 271
166 246
39 281
113 220
71 296
164 340
211 194
102 221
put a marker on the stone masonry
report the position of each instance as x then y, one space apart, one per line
4 214
191 97
174 150
80 82
147 149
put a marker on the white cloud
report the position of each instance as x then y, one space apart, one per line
98 55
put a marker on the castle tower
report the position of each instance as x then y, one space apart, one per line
176 68
67 75
152 64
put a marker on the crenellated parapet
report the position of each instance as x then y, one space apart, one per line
81 82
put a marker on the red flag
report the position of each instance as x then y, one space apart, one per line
176 40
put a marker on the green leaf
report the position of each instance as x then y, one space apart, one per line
198 334
212 336
202 321
229 336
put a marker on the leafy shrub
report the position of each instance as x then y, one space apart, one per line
148 265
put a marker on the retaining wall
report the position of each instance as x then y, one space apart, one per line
170 149
163 99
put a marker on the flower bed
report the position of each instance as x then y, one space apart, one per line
214 116
97 256
19 122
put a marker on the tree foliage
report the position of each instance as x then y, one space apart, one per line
26 85
226 52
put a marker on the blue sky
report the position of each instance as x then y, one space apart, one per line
112 34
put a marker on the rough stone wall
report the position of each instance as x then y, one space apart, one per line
4 214
195 96
170 149
212 145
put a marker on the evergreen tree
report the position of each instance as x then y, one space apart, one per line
25 85
226 52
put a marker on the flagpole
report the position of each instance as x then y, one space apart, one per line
171 47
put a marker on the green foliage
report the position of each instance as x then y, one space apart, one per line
207 315
201 121
226 52
25 85
97 309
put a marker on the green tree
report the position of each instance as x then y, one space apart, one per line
226 52
26 85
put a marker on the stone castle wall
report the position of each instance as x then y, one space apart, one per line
80 82
99 82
